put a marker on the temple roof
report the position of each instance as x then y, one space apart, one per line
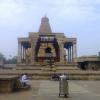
45 26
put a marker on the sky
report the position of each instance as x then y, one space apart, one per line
75 18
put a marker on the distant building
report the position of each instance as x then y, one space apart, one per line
89 62
45 44
1 62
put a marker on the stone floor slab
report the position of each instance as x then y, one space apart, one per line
49 90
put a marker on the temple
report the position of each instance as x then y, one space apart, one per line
41 46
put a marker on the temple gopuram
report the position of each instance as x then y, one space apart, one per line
45 45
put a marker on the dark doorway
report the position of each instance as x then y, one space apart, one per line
48 50
82 65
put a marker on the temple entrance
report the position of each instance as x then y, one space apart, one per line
47 48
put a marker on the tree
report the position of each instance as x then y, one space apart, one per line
2 59
99 55
12 60
1 56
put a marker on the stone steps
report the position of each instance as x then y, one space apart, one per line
38 67
44 75
67 68
44 72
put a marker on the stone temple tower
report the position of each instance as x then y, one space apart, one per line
45 26
41 46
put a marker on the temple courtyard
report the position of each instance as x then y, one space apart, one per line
49 90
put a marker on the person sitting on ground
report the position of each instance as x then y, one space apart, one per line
24 80
55 77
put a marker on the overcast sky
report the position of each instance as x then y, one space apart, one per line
75 18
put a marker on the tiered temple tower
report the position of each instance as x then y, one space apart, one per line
41 46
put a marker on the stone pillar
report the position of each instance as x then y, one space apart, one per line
22 53
61 47
33 45
75 52
32 53
32 48
25 55
68 55
19 52
72 53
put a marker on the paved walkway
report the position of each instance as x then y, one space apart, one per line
49 90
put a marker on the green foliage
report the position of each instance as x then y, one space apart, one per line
99 56
1 56
12 60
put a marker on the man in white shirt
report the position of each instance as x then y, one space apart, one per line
24 80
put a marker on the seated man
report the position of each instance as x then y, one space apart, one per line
24 80
55 77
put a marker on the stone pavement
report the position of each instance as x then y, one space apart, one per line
49 90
